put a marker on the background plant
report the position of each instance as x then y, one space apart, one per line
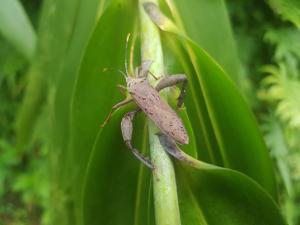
63 106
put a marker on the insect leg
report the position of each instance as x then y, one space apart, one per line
122 89
116 106
126 128
171 81
170 146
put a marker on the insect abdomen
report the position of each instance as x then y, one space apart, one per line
164 117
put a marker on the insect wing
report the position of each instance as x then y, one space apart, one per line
164 117
169 122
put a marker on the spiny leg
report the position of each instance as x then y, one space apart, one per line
126 128
115 107
170 146
171 81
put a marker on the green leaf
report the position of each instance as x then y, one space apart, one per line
202 129
112 185
100 182
207 23
54 34
64 31
67 80
288 9
16 27
117 186
98 89
210 195
75 35
240 142
237 133
62 35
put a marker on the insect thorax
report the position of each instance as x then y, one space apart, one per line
134 81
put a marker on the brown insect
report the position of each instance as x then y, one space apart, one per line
149 101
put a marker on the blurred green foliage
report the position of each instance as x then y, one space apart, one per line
269 49
23 177
280 89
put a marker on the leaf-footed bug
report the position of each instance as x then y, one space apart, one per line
149 101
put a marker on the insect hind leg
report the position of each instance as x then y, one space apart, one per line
170 146
171 81
127 128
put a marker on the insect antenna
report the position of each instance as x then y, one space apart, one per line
112 69
126 48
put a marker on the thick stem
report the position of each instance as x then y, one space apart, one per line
164 182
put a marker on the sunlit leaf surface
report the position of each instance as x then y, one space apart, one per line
16 27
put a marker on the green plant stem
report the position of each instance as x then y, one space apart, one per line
164 182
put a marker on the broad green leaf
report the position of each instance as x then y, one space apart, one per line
64 31
95 89
66 82
102 183
236 130
210 195
207 23
54 33
113 186
207 146
288 9
61 99
240 142
16 27
113 193
119 195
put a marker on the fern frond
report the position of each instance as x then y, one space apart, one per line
276 141
282 88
